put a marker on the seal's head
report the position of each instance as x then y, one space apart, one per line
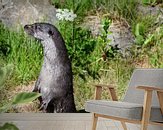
40 31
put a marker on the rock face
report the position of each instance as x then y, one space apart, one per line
14 13
121 36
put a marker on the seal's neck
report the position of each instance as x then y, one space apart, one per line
50 50
54 49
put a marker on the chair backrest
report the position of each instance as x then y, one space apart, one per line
144 77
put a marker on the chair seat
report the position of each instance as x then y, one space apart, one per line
131 111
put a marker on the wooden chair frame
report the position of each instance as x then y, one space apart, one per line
146 107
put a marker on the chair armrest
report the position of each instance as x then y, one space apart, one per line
147 88
98 91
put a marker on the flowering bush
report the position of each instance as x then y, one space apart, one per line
65 14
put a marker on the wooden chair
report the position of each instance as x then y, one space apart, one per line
142 104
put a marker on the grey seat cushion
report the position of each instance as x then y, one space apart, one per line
131 111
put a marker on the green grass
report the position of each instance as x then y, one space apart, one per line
23 53
121 8
80 7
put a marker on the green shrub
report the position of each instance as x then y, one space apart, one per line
81 46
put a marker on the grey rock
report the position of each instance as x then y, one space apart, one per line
155 11
16 13
93 23
149 10
121 36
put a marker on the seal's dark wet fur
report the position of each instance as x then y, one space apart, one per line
55 81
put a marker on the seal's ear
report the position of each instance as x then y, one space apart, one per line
50 32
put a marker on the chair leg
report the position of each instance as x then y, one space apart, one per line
146 109
124 125
94 122
144 126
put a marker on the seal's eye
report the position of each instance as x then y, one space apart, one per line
38 28
50 32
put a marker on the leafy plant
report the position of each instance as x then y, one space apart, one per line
84 49
21 98
139 33
8 126
81 45
108 51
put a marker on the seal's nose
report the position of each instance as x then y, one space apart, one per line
29 29
27 26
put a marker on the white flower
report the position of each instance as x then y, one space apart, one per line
59 16
66 10
58 10
65 14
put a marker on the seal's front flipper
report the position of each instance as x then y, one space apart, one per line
36 86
